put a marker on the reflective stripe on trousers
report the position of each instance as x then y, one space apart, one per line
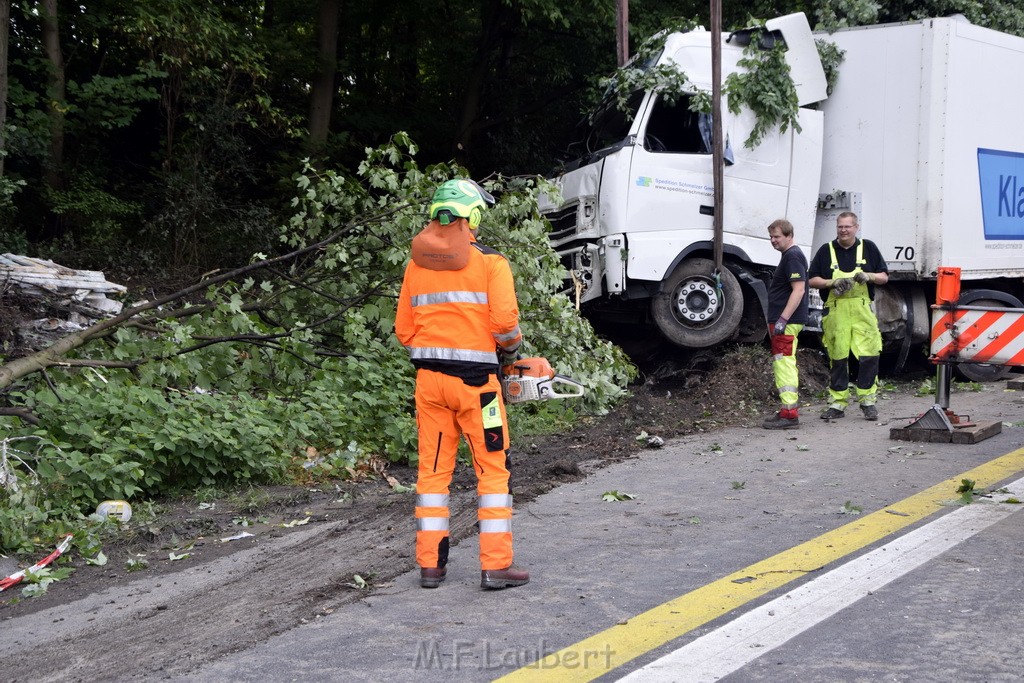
494 512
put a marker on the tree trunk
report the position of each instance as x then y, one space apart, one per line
55 92
321 98
622 31
5 21
490 35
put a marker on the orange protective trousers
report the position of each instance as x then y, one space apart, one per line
447 408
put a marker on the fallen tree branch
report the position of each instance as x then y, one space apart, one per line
53 355
23 413
87 363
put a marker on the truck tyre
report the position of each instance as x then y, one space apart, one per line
983 372
692 311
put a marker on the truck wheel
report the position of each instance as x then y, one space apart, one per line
983 372
691 311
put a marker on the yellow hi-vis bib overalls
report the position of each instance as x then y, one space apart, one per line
850 326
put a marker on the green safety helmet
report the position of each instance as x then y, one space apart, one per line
460 198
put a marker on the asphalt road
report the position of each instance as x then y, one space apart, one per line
824 554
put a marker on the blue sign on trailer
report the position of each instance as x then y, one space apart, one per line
1001 176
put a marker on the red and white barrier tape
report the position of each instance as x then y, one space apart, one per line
15 579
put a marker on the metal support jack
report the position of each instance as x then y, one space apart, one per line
937 416
940 424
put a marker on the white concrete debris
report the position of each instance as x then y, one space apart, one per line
82 294
84 291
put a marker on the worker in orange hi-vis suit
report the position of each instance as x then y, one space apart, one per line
458 317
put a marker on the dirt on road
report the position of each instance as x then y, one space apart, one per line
175 593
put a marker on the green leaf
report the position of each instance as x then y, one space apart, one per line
99 560
849 509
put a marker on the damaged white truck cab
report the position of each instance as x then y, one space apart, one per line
636 218
921 137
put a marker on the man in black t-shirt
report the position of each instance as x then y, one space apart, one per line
846 270
787 314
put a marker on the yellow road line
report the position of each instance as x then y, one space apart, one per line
613 647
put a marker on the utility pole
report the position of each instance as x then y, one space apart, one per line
718 150
5 20
622 31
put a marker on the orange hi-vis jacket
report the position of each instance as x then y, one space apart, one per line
452 321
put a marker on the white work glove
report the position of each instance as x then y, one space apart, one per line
861 277
842 286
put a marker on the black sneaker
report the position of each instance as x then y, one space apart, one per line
778 422
832 414
870 412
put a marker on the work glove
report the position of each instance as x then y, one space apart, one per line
780 326
861 277
505 358
842 286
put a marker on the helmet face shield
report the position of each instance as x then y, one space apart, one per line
460 198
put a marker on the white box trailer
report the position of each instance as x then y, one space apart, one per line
922 137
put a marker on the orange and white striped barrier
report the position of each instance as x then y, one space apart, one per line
978 334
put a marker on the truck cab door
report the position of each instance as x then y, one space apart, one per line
671 203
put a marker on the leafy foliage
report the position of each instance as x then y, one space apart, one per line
238 387
764 85
766 88
833 14
848 508
831 57
643 73
38 581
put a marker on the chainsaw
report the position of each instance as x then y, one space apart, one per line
532 379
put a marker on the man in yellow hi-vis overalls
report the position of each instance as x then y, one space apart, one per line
847 270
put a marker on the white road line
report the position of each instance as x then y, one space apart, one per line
741 641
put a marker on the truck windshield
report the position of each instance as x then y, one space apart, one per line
610 125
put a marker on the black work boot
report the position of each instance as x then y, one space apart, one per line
832 414
870 412
778 422
431 577
504 578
